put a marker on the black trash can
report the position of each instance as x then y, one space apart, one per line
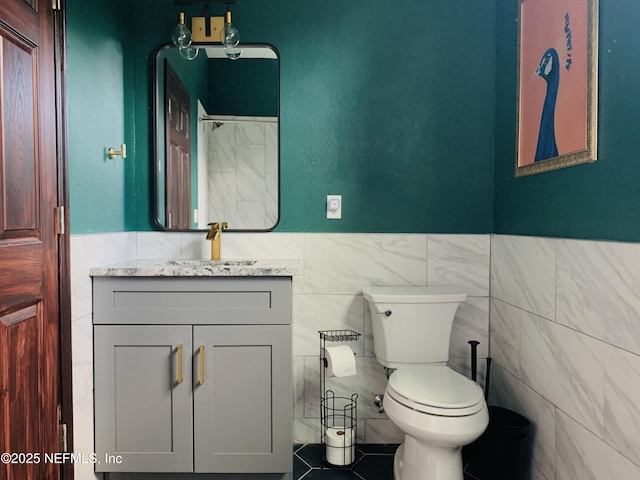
503 451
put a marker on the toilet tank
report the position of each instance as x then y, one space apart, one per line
412 325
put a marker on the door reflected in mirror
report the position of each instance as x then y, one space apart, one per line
216 128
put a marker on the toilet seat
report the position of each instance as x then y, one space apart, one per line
435 390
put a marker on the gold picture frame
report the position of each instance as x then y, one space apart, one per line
557 98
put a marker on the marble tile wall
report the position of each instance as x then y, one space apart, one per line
328 295
565 340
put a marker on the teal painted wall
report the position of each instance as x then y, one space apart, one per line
247 87
590 201
389 104
381 122
99 88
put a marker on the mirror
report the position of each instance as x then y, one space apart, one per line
216 138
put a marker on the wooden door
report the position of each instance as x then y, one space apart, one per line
178 151
29 288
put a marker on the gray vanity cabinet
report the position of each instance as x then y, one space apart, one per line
204 389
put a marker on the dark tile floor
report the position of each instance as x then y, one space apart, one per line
373 462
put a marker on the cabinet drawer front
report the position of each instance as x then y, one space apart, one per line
192 300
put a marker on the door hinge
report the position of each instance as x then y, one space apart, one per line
59 220
63 431
63 437
55 4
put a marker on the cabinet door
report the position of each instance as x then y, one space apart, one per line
143 407
243 409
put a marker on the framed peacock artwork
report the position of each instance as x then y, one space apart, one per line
557 103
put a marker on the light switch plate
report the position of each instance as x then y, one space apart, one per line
334 206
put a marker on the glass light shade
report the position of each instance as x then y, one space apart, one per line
189 53
233 52
181 35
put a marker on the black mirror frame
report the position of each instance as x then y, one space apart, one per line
155 105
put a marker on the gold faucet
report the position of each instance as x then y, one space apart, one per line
215 235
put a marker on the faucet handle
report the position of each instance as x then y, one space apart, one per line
219 226
215 229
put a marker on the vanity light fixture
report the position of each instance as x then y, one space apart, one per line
204 28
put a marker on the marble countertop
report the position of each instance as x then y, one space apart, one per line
184 267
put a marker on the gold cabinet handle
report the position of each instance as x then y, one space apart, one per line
179 352
201 369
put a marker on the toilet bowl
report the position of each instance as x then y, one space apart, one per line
438 410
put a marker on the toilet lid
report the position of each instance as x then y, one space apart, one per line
435 386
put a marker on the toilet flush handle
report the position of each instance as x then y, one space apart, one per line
378 401
387 313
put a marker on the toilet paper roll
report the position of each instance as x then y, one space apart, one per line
340 446
341 361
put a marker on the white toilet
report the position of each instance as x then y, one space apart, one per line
438 409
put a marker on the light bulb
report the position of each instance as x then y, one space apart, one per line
181 35
189 53
230 37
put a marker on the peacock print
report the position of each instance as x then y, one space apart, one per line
549 70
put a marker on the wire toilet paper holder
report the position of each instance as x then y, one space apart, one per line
338 415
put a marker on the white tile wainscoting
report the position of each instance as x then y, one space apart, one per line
565 329
565 339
